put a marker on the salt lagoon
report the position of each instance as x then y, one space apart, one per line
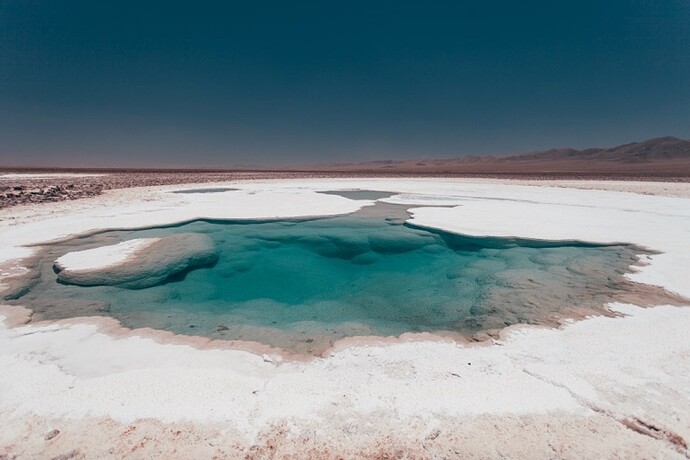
301 285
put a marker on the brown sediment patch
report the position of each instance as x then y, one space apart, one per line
15 316
334 435
18 275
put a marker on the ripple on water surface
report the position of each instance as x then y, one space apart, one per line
302 284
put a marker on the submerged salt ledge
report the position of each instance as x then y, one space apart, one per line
136 263
599 370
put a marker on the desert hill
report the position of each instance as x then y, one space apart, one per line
664 156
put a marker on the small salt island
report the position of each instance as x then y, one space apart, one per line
136 263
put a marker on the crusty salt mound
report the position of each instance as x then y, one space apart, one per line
138 263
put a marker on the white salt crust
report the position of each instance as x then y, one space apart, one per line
104 256
595 371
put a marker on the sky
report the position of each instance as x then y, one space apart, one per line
263 83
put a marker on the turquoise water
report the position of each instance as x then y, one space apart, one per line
303 284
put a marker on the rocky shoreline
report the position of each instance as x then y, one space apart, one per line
19 187
31 188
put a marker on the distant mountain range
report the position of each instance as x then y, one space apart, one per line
664 156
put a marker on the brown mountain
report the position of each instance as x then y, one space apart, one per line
664 156
659 149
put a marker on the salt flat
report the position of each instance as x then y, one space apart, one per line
603 386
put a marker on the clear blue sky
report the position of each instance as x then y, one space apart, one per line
124 83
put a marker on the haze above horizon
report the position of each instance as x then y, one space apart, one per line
219 84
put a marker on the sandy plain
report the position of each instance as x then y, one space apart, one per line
615 387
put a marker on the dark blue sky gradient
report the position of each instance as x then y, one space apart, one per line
165 84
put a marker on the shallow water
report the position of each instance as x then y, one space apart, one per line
302 284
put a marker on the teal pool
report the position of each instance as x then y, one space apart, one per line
302 284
